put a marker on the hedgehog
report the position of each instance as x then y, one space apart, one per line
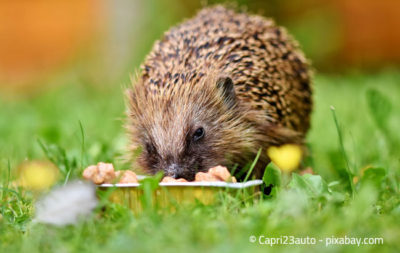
215 90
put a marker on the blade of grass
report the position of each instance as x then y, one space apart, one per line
45 150
253 165
83 142
233 170
59 158
4 188
340 136
68 168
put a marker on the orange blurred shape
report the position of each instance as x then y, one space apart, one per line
371 30
37 36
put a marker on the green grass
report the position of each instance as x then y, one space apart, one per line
75 125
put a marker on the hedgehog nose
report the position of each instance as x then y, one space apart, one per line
173 170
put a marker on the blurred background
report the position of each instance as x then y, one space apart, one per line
103 41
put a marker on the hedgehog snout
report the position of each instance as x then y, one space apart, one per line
173 170
177 171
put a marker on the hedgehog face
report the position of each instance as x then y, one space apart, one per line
179 151
186 129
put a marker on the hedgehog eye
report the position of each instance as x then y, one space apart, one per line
198 134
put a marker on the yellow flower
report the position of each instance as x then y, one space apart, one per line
287 157
37 175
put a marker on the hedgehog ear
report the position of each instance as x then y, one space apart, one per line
225 84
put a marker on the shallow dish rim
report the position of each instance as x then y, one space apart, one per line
192 184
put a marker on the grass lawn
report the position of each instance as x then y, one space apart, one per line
355 192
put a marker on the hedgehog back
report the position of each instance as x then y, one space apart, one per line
269 71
